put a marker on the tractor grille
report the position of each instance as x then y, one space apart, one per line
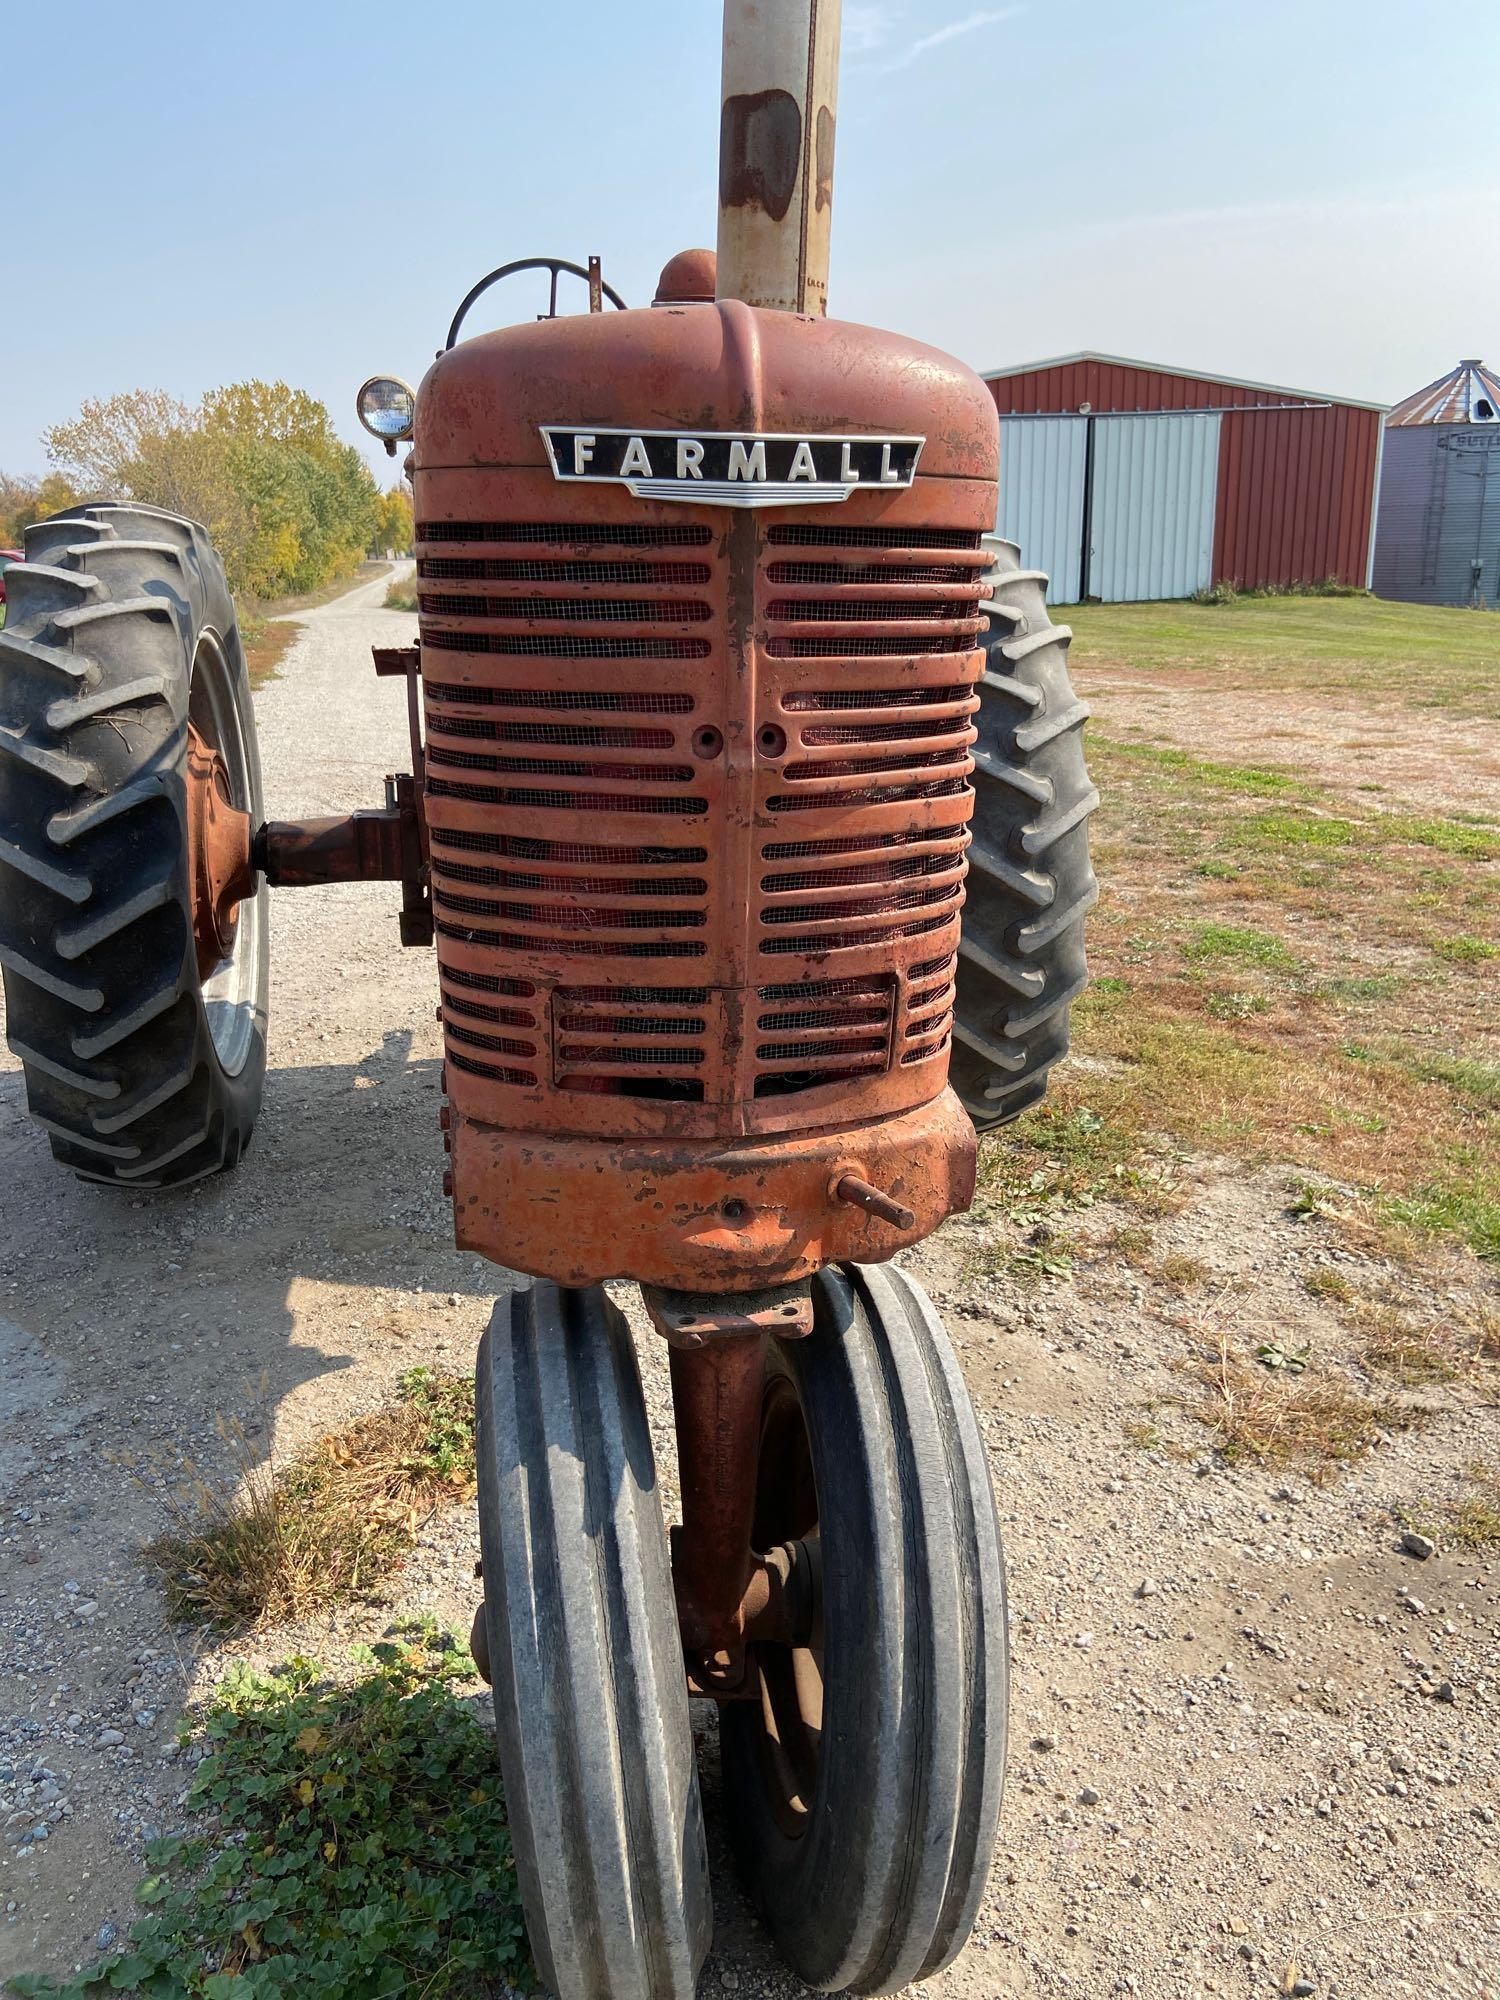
890 752
631 1041
619 797
821 1031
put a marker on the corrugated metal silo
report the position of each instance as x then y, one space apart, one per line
1438 534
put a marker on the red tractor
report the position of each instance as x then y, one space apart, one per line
748 815
7 556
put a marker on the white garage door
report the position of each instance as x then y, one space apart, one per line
1041 496
1151 516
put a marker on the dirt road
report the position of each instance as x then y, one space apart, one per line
1255 1746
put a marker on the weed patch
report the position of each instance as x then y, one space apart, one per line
1471 1522
1329 1285
402 594
1460 1207
1282 1416
352 1845
1252 778
1466 950
1394 1347
276 1543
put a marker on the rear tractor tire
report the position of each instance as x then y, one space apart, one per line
1021 959
143 1044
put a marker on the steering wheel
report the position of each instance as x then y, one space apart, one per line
598 290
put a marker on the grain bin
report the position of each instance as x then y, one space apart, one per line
1437 538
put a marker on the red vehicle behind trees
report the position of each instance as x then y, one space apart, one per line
7 556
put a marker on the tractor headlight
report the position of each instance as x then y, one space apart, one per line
387 408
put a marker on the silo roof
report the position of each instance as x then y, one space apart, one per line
1467 394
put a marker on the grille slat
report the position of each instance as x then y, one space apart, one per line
569 916
807 771
572 735
606 701
534 798
802 699
472 569
596 772
563 645
873 872
527 847
570 534
842 646
867 795
568 610
810 535
576 947
929 730
482 877
893 573
868 611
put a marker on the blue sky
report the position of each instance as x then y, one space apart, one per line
1305 193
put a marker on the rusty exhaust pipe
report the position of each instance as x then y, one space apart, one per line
777 113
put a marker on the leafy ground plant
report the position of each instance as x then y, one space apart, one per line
351 1845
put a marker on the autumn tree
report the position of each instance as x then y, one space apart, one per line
24 500
395 529
289 506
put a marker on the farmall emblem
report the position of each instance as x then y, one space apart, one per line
731 468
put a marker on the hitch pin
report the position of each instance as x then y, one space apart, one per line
859 1194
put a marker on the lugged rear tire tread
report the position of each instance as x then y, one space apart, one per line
1030 884
96 929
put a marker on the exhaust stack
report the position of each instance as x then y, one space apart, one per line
778 103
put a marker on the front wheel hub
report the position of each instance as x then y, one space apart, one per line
220 867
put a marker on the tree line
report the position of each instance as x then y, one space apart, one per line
290 507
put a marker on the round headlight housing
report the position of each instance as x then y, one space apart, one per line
387 408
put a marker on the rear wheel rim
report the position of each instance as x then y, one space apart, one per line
231 991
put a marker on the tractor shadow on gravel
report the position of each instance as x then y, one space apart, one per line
145 1321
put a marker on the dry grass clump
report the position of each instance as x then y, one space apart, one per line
1280 1417
275 1543
1394 1346
1472 1521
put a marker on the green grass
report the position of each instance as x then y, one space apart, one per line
350 1844
1458 1205
1277 831
1417 654
1202 771
402 595
1240 943
1466 950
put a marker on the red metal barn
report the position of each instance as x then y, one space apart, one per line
1124 480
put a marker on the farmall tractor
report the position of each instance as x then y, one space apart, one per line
748 815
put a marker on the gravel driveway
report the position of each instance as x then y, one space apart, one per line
1255 1747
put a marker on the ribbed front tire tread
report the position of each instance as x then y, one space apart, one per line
591 1703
